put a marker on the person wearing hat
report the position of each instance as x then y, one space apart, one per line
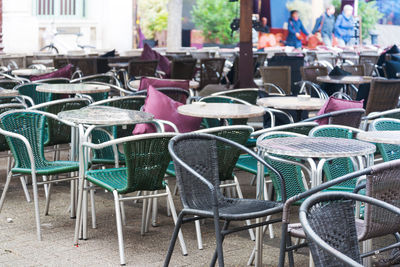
344 26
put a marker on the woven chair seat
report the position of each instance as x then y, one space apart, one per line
240 209
109 179
296 230
50 168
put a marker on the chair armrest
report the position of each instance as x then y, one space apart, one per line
272 113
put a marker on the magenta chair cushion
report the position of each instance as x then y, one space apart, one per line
165 108
64 72
146 82
335 104
163 63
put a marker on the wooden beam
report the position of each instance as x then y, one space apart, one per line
246 46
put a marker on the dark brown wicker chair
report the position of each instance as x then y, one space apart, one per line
141 68
211 71
357 70
369 62
278 75
88 65
383 95
183 68
311 73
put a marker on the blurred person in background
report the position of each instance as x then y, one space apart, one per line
344 26
325 25
295 27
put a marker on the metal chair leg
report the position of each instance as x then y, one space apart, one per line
123 213
119 228
142 229
46 209
240 195
148 211
214 259
155 211
36 203
3 195
198 235
25 188
218 239
93 206
282 252
171 246
175 218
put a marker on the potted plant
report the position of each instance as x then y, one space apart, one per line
214 17
153 19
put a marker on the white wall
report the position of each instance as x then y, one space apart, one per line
107 25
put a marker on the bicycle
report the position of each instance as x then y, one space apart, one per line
51 48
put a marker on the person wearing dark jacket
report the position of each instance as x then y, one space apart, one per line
295 26
325 24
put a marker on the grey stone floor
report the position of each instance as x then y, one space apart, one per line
19 246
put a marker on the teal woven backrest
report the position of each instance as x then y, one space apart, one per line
291 173
146 161
227 154
209 123
29 89
394 115
105 154
340 166
388 152
58 132
31 126
5 108
249 96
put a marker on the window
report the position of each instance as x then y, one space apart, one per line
74 8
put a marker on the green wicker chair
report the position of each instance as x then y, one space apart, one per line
29 90
388 152
339 166
390 114
147 158
24 131
249 95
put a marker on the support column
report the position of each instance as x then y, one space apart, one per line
246 46
174 35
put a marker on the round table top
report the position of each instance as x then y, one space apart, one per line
103 115
31 72
291 103
192 84
72 88
384 137
42 61
345 79
316 147
221 110
8 92
118 65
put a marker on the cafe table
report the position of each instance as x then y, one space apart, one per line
292 103
31 72
315 151
88 119
8 92
347 81
383 137
192 84
72 88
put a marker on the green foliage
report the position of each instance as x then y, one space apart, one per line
369 16
305 11
337 4
153 16
214 17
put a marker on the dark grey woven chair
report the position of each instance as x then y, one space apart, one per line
333 212
199 188
347 117
382 183
183 68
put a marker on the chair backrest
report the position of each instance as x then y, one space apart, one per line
383 95
4 108
333 222
249 95
228 155
211 71
177 94
29 89
291 173
31 125
183 68
142 68
347 117
357 70
278 75
340 166
310 73
299 127
9 84
147 159
383 183
388 152
369 62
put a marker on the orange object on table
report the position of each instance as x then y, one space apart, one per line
266 40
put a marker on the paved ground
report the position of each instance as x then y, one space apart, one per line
19 246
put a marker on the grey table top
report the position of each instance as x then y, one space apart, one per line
221 110
8 92
384 137
136 83
316 147
345 79
103 115
291 103
72 88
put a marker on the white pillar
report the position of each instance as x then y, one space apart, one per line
174 35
